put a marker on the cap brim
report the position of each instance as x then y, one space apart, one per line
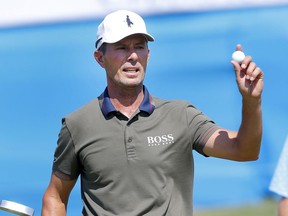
146 35
100 41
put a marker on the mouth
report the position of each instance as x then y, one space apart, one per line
131 70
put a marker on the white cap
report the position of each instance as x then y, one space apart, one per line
118 25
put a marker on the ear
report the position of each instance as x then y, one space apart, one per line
148 54
99 58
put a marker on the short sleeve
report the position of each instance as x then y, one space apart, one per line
201 128
65 164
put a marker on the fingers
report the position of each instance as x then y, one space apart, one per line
237 68
252 71
248 67
246 62
239 47
249 76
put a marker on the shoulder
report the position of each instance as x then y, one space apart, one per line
86 109
178 107
177 104
84 115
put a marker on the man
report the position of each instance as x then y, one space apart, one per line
279 182
133 151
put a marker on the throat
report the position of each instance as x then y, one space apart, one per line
127 102
127 108
128 113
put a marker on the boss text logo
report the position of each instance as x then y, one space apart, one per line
160 140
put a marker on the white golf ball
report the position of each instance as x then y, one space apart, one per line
238 56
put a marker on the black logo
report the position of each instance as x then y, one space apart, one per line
129 22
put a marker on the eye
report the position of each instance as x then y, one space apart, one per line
140 47
120 47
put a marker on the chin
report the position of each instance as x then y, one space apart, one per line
132 84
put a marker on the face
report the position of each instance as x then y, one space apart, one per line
125 62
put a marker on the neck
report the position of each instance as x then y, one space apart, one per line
127 101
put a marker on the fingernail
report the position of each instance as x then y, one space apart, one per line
248 77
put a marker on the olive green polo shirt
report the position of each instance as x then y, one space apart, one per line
137 166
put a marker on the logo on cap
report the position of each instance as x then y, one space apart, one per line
128 21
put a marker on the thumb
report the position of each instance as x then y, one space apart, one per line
237 68
239 47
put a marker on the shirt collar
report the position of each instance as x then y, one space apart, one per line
147 105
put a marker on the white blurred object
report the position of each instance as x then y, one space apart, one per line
19 12
279 183
16 208
238 56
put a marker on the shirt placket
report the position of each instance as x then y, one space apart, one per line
129 141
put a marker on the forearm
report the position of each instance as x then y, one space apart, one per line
52 205
250 132
51 208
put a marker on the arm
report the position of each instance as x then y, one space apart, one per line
56 196
283 207
244 144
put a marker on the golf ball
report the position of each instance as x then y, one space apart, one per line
238 56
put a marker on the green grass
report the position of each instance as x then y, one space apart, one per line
267 208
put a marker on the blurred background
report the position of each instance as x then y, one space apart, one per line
47 70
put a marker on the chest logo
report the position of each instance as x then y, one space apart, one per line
165 139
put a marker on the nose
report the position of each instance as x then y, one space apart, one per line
132 56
